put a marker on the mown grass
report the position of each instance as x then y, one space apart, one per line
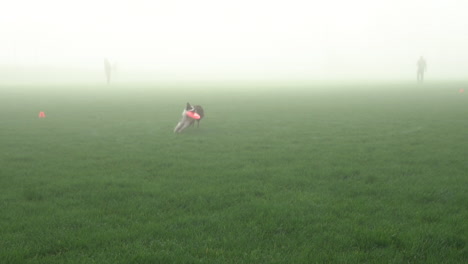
317 173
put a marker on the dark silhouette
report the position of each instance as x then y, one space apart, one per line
197 109
421 69
108 68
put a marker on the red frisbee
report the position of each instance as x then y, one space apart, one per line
192 115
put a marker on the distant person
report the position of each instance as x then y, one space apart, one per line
108 69
421 69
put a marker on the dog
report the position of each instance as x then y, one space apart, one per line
186 121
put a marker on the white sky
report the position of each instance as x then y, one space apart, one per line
220 39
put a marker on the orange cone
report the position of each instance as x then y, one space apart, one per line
41 115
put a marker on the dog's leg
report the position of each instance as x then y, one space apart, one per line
177 128
180 126
183 125
186 124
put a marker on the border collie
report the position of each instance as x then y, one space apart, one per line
190 114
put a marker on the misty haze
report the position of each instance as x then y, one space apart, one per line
242 40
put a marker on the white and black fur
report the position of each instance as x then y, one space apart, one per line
187 121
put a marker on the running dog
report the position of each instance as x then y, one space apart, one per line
189 116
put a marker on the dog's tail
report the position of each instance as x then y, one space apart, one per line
189 107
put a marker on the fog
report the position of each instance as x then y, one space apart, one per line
232 40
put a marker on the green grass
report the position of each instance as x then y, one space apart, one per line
313 173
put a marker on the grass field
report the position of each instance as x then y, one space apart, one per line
311 173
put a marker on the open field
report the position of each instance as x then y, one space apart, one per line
312 173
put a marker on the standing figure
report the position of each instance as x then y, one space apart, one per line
421 69
108 69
